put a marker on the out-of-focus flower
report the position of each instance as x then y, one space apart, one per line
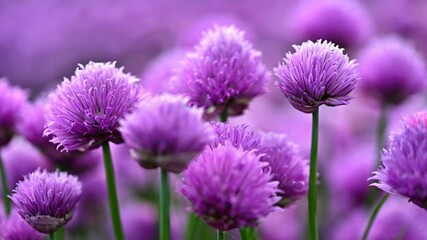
229 188
223 72
12 99
271 228
239 136
287 166
164 132
405 161
345 23
15 228
140 220
316 73
46 200
391 71
86 110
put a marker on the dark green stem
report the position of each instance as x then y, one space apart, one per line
5 188
381 130
224 115
312 189
248 233
112 192
59 234
193 224
52 236
220 235
374 215
164 208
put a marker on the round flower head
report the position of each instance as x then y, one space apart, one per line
12 99
287 166
404 170
164 132
223 72
15 228
316 73
46 200
239 136
86 110
229 188
391 71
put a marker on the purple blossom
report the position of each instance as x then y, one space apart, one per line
391 70
223 72
86 110
12 99
164 132
287 166
405 161
239 136
15 228
46 200
229 188
316 73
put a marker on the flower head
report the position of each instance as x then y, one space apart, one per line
404 170
229 188
223 72
164 132
15 228
86 110
239 136
46 200
12 99
391 71
287 166
316 73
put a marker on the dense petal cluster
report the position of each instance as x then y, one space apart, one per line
287 166
316 73
164 132
404 170
15 228
224 71
12 99
229 188
391 70
86 110
239 136
46 200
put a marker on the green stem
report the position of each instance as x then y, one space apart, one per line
4 186
193 224
52 236
224 115
112 192
164 205
374 215
248 233
59 234
220 235
381 129
312 190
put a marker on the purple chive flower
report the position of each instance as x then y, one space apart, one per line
164 132
46 200
15 228
391 71
287 166
229 188
86 110
405 161
316 73
239 136
223 72
12 99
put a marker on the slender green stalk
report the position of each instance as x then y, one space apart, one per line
52 236
220 235
193 224
312 189
381 130
224 115
59 234
374 215
164 207
5 188
112 192
248 233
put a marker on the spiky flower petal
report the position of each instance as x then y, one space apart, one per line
46 200
239 136
316 73
86 110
